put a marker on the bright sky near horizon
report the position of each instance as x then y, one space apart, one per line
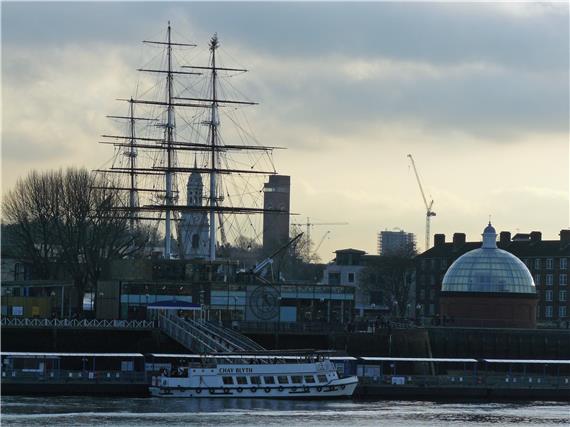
478 93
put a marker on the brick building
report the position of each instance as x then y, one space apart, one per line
547 261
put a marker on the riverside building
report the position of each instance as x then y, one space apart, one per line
546 260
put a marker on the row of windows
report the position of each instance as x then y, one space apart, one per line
549 279
282 379
548 263
562 296
562 311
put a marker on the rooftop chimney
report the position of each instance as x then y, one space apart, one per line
458 240
535 236
505 238
565 236
438 240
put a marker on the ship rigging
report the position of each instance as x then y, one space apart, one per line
154 152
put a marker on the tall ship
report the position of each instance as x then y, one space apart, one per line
255 375
186 159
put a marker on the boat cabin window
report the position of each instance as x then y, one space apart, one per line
256 380
269 380
241 380
228 380
322 378
296 379
309 379
283 379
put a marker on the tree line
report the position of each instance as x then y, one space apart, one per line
71 222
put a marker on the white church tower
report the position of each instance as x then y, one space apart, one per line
194 227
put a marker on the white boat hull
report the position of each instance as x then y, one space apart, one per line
343 387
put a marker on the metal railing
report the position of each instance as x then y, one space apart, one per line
190 336
72 376
479 381
76 323
289 327
238 341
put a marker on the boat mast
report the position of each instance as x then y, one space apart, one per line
214 135
169 128
132 160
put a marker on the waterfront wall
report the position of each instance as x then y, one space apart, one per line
415 342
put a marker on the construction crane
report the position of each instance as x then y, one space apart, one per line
310 224
429 211
321 241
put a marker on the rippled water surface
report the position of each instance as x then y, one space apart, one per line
89 411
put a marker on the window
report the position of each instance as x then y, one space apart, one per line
563 295
432 280
350 277
443 264
549 263
537 279
309 379
228 380
269 380
433 261
563 279
255 380
537 264
548 296
548 280
431 309
334 278
563 263
241 380
296 379
322 378
562 312
282 379
548 311
195 241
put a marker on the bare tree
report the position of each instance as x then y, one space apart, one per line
72 218
391 275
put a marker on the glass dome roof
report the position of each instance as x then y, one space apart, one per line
488 269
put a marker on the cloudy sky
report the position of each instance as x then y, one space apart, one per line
478 93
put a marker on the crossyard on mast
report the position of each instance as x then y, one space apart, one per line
169 144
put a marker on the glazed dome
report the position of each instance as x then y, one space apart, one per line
488 269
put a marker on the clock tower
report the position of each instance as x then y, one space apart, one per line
194 227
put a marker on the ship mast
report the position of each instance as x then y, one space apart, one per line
132 154
168 144
169 128
213 135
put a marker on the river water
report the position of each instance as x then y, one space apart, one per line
123 412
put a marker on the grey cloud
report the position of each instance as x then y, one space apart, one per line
430 32
503 105
17 148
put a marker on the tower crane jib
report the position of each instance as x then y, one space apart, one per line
429 206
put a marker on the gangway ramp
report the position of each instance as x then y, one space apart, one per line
203 336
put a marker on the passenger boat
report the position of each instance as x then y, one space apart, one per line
310 375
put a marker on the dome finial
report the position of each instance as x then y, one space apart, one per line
489 237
